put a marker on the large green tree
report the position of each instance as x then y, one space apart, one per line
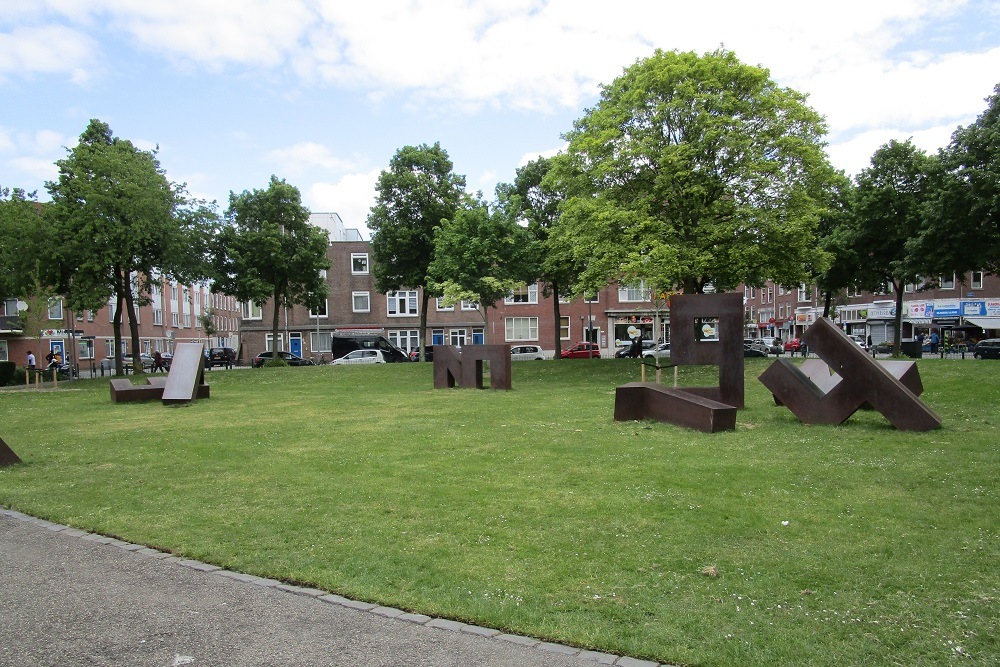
695 169
961 230
119 226
889 202
267 250
22 238
480 256
535 199
415 195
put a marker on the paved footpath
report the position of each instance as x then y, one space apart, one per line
73 598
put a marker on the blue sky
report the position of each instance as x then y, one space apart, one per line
323 92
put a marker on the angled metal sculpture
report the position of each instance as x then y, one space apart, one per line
7 455
705 329
184 383
852 380
465 367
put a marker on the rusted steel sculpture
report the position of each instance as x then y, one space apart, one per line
7 455
705 329
184 382
852 380
465 368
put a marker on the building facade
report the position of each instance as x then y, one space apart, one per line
958 308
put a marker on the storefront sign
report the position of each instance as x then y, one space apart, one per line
973 308
881 313
921 310
992 308
947 309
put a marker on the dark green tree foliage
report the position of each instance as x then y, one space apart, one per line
694 170
22 238
889 201
268 250
535 199
834 238
962 228
118 224
415 195
479 256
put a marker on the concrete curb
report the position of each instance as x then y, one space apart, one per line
444 624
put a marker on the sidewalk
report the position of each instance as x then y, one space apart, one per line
74 598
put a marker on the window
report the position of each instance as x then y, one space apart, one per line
523 294
10 307
977 280
948 282
157 317
320 313
320 342
441 306
401 304
269 342
3 351
174 321
470 305
592 298
405 339
634 292
55 309
522 328
563 328
359 263
803 294
187 320
84 349
252 311
456 337
360 302
90 316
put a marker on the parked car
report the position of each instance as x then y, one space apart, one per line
750 351
624 350
341 344
767 345
659 352
861 341
290 359
220 356
582 351
793 345
526 353
361 357
988 348
428 353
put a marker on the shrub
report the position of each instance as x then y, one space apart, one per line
7 369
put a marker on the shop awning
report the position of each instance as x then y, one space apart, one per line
984 322
918 320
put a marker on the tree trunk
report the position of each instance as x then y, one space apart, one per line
897 350
827 302
133 326
424 301
275 322
116 326
557 319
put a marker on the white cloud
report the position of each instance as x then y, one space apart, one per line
304 157
47 49
351 197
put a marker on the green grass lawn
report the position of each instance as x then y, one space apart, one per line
532 511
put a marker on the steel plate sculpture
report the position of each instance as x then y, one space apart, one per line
853 379
7 455
705 329
184 383
464 367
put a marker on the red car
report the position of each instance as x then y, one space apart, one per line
582 351
793 345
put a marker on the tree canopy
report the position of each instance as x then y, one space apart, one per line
535 200
479 255
415 195
118 224
22 236
268 250
888 209
693 170
962 226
